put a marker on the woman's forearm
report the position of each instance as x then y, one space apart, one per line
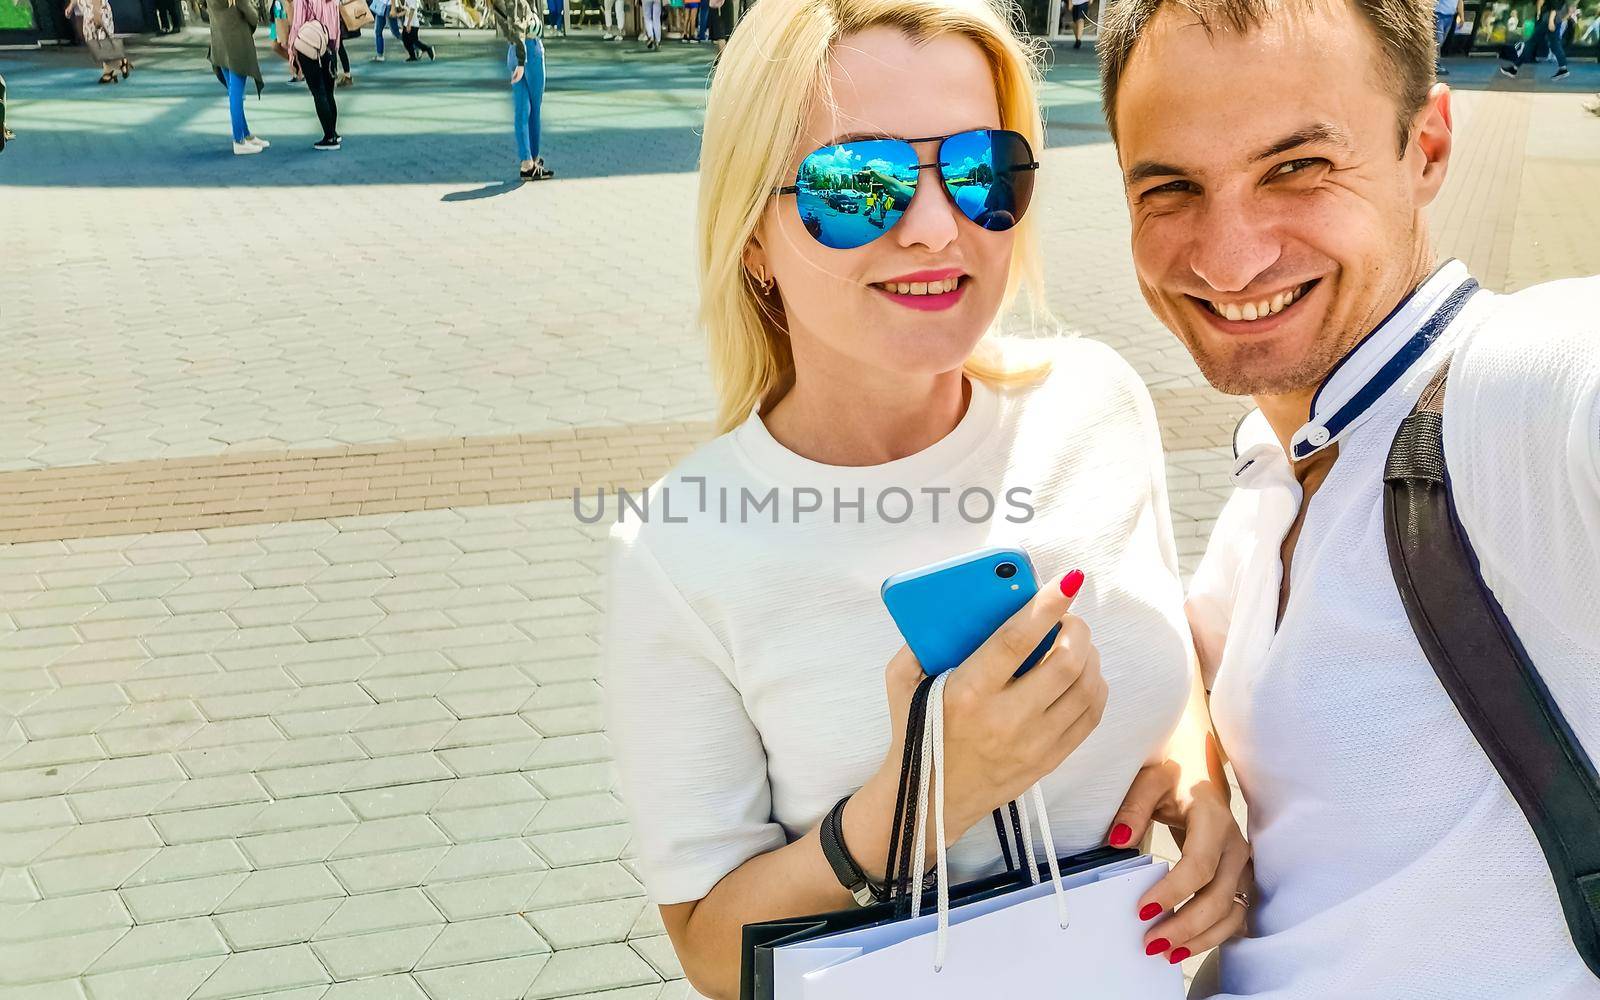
794 880
1193 747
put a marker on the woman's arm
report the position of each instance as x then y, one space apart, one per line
790 881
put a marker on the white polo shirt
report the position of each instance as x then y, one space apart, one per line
1392 862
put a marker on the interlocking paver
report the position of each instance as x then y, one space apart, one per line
275 926
247 973
168 979
588 923
379 954
161 943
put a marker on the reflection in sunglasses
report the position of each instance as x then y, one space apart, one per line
851 193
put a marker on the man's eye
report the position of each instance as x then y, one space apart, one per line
1171 187
1296 166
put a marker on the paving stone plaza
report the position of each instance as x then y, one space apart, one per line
298 631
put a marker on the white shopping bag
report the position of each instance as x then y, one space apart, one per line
1075 936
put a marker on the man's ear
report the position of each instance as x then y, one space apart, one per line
1434 137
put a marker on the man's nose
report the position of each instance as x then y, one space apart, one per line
1233 246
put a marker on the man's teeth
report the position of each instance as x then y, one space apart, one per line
1250 311
922 287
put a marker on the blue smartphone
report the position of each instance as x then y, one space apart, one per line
946 610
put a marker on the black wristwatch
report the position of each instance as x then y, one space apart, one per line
845 869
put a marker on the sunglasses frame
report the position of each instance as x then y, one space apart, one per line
1033 164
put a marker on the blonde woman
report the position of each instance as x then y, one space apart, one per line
873 421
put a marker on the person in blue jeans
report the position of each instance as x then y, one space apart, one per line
1446 18
519 23
558 16
703 22
1549 29
382 14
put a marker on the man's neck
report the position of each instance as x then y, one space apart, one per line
1288 411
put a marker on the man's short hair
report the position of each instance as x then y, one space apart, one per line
1404 30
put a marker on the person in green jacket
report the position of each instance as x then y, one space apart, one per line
233 55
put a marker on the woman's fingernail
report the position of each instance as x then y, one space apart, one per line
1157 946
1150 912
1121 834
1071 583
1178 955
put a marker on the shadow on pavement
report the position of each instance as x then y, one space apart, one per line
487 191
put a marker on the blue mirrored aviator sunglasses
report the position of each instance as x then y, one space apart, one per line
850 194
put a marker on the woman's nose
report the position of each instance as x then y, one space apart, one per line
930 219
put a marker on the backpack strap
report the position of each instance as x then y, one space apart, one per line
1485 669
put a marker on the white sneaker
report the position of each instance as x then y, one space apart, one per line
245 148
256 140
378 58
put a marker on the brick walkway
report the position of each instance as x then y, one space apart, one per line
297 629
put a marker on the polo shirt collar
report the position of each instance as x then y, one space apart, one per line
1382 358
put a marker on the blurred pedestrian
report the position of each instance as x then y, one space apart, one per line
721 23
6 134
383 12
1446 18
519 23
650 24
1547 29
233 56
346 78
620 9
314 38
1080 14
99 37
558 17
410 26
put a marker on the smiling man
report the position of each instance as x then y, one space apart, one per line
1278 156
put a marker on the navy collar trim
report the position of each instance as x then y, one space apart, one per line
1393 352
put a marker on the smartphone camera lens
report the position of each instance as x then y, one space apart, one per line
1006 570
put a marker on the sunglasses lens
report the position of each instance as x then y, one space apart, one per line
989 176
853 193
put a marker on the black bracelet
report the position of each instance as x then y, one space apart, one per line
845 868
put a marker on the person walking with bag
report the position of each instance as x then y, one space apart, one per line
233 57
99 37
314 37
756 690
519 23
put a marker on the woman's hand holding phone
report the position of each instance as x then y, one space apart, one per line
1003 733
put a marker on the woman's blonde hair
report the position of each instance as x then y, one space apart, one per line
766 84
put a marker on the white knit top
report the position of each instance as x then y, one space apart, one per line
744 663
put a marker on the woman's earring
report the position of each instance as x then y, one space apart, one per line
765 281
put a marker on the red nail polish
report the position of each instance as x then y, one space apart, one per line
1071 583
1121 834
1157 946
1178 955
1150 912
